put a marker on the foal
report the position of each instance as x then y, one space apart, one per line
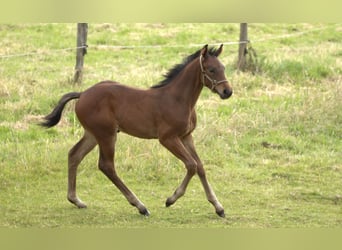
165 112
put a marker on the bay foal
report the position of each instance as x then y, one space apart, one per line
165 112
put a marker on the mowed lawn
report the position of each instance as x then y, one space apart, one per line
272 152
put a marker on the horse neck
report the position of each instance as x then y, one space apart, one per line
187 86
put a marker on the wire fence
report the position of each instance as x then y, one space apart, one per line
118 47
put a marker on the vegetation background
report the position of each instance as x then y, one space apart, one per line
273 152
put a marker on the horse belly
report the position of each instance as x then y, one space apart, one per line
138 127
136 118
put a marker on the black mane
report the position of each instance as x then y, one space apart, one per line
173 72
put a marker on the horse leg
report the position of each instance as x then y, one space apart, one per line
188 143
76 155
106 165
176 147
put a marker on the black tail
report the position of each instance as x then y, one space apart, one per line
54 117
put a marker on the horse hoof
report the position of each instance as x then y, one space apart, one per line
145 212
81 205
168 203
77 202
221 213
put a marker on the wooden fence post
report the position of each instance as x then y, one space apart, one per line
82 32
242 47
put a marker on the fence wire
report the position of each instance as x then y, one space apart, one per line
118 47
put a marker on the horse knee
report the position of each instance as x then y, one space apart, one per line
196 168
192 168
200 171
106 167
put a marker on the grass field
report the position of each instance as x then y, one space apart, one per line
273 152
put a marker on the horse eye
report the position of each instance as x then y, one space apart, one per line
212 70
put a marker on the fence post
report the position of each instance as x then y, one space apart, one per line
82 32
242 47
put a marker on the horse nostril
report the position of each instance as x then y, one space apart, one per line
227 92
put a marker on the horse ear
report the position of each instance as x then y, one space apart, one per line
219 51
204 50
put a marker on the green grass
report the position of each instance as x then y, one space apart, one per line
273 152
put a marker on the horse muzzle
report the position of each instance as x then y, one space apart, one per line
226 93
